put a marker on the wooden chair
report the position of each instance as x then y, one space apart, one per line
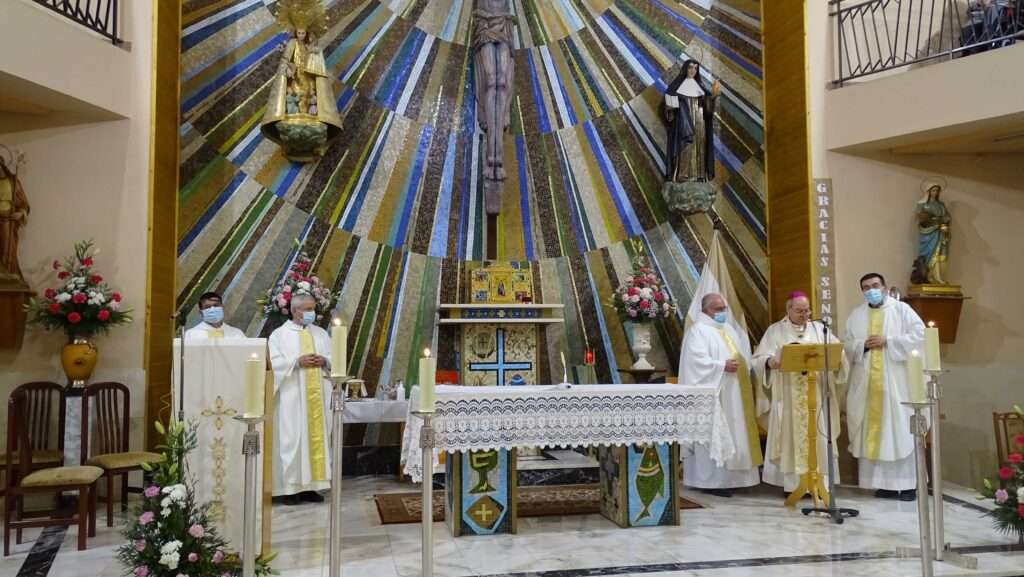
1007 426
22 480
46 408
105 413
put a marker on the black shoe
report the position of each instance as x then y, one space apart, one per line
887 494
287 500
311 497
910 495
719 492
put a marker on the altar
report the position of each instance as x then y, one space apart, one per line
638 430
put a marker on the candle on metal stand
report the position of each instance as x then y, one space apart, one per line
339 349
428 370
915 377
932 358
254 379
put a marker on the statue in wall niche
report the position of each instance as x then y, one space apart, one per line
14 211
933 222
302 115
493 74
689 113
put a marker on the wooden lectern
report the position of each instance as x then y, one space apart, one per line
810 359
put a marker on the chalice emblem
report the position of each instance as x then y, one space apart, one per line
483 462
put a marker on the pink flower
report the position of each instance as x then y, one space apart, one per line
1005 473
151 491
79 298
632 291
1019 440
146 518
1001 496
116 297
192 557
287 288
1015 458
141 571
196 531
645 304
218 556
140 545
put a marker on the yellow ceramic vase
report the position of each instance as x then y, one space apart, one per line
78 359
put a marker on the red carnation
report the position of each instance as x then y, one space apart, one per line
632 291
645 304
659 296
1005 473
63 274
56 265
79 298
1019 440
116 297
74 318
87 261
302 266
50 293
1015 458
103 315
54 308
95 279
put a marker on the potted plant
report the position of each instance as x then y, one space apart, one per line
641 299
81 305
1008 515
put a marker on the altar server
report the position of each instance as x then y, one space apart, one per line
714 353
880 335
211 308
300 357
786 458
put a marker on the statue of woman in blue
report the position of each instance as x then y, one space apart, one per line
933 236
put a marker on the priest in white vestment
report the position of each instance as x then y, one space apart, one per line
300 357
211 308
787 449
713 353
880 335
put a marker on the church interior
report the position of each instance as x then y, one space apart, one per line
557 288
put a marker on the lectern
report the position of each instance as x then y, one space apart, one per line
810 359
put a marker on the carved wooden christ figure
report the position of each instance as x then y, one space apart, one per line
493 70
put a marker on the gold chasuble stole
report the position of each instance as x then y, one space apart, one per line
876 385
215 334
314 411
747 392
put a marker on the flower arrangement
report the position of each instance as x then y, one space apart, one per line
1008 516
641 296
82 305
170 535
297 281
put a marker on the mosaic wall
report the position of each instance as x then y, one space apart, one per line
393 211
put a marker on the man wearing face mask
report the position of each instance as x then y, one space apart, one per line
300 357
880 335
211 308
715 354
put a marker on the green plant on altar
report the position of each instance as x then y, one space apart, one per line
641 297
170 534
82 305
1008 515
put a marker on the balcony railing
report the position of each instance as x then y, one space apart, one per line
100 16
875 36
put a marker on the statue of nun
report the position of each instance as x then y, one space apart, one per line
689 110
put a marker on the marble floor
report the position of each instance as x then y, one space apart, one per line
751 533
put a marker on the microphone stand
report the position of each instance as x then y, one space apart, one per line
179 321
834 511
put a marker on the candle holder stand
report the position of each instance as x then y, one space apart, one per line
427 443
339 390
919 428
251 450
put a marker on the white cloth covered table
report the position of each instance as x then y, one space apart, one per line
482 418
376 411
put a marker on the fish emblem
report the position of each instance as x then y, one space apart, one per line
650 480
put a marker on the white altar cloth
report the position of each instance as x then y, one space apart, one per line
483 418
376 411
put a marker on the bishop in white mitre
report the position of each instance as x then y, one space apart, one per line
880 335
211 308
714 354
300 357
786 458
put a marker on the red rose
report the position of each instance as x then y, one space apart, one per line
50 293
87 261
658 296
95 279
1015 458
79 298
1005 473
54 308
74 318
56 265
116 297
63 274
103 315
645 304
1020 440
302 266
632 291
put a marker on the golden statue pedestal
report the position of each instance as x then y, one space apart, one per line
940 304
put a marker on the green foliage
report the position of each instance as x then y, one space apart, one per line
1008 496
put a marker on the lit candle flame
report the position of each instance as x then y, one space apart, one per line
915 353
337 322
931 324
426 353
254 357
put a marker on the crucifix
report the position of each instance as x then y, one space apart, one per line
501 364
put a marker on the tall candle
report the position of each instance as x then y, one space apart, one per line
428 370
339 349
254 379
915 377
932 358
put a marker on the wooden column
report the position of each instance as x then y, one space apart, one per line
787 151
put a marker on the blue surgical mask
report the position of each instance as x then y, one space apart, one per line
308 317
213 315
874 296
721 317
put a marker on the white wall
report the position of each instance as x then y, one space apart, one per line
89 181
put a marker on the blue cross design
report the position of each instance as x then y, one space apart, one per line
501 365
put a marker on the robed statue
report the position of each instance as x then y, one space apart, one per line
13 214
302 116
933 222
493 74
689 111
